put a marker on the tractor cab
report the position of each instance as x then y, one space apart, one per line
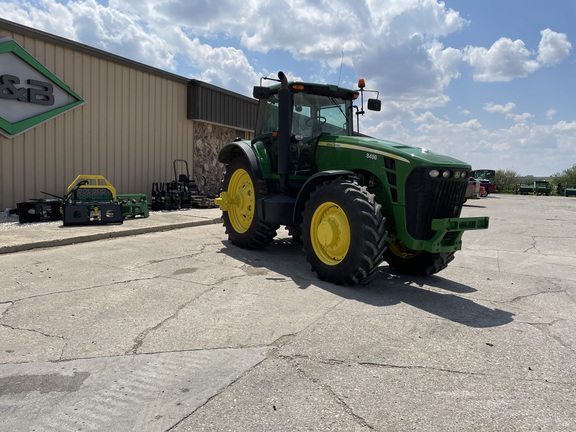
293 116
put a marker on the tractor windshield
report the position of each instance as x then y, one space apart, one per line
312 115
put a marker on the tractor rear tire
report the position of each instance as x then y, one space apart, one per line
244 190
416 263
343 232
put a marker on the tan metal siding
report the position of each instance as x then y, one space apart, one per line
132 126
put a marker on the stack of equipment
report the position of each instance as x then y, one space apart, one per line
179 193
134 205
91 199
39 210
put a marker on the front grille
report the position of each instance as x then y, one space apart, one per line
430 198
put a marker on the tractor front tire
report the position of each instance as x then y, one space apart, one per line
242 190
343 232
416 263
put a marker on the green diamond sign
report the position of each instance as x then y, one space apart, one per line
29 93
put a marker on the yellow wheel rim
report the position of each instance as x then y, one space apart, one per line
242 202
402 251
330 233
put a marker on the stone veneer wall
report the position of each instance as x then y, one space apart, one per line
206 170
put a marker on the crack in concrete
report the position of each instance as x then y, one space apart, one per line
64 346
545 328
192 255
522 297
274 351
139 340
113 283
160 261
215 395
196 282
32 331
328 389
533 246
417 367
338 362
5 312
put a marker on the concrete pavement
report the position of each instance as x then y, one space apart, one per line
179 331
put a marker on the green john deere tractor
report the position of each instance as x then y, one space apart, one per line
352 200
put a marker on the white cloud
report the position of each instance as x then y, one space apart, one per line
93 24
550 114
403 18
507 111
402 54
565 126
505 60
394 47
226 67
229 68
47 15
521 118
553 47
117 32
497 108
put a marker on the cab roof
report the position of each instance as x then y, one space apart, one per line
329 90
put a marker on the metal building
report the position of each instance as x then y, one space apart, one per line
68 109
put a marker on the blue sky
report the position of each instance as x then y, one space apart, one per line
490 82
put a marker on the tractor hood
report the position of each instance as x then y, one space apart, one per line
394 150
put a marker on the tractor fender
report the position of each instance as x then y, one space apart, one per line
311 184
240 149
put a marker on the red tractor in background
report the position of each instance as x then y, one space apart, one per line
487 180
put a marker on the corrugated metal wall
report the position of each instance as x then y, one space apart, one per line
130 129
213 104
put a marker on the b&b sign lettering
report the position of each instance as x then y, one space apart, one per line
39 92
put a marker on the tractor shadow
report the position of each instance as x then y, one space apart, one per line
438 296
434 294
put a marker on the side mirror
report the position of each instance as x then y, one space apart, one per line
374 104
261 92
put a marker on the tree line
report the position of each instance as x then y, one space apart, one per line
508 179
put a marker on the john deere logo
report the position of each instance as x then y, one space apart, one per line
29 93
